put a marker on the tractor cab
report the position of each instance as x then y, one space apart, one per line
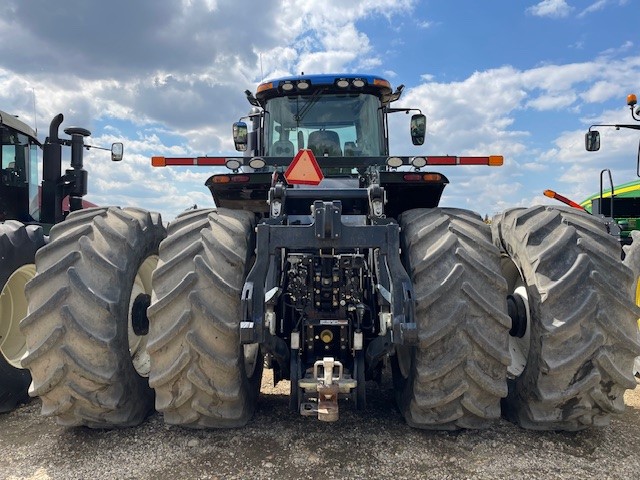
19 160
333 116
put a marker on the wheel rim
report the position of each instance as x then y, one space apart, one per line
403 355
250 352
636 363
518 346
140 295
638 296
13 308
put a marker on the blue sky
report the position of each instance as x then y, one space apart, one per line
521 78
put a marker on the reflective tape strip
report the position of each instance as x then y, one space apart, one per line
441 160
210 161
473 160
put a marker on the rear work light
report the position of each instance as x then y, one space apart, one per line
257 163
394 162
418 162
233 164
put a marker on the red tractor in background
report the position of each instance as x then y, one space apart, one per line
28 210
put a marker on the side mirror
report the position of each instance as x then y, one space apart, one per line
592 141
117 151
240 134
418 128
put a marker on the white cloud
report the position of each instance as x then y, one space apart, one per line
534 166
553 102
481 114
612 52
177 86
175 71
600 91
599 5
594 7
550 8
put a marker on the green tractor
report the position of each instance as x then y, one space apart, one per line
622 203
623 206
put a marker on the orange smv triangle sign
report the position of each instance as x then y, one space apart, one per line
304 170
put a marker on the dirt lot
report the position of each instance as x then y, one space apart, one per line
278 444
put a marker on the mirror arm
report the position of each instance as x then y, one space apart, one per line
251 115
617 126
405 110
89 147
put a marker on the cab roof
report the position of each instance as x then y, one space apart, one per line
327 83
12 121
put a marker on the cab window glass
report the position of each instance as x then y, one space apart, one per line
330 125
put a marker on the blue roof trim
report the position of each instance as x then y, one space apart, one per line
325 78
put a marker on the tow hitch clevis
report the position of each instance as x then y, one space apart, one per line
328 382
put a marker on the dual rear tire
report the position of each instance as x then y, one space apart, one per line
18 247
202 375
91 345
561 362
632 260
567 371
456 376
87 318
571 368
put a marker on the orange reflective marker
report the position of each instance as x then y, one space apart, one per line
304 169
563 199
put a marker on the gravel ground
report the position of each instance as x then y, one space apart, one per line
277 444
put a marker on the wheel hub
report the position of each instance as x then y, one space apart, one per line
138 321
518 313
13 308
